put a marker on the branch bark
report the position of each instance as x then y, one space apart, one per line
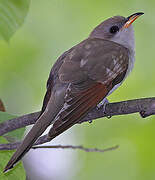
145 106
18 122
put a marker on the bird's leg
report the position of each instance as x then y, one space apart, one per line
103 104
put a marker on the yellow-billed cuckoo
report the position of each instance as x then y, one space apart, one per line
82 77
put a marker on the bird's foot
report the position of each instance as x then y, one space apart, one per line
143 114
102 105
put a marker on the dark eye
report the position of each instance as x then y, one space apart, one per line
114 29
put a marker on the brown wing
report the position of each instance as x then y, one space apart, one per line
92 70
100 60
77 106
52 78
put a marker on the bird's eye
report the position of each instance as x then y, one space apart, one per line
114 29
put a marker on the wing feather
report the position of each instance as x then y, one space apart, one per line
72 113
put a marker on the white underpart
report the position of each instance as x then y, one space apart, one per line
125 37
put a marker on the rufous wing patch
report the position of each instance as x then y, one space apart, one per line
77 105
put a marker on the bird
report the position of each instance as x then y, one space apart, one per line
83 77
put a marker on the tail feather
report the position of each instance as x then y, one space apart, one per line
39 127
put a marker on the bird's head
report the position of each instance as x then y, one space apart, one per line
118 29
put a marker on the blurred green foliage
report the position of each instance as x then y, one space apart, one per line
17 134
18 173
12 15
53 27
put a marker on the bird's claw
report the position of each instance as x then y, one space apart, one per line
102 105
144 114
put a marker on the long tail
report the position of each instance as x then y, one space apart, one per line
39 127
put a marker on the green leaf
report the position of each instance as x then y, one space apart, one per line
17 173
12 15
17 134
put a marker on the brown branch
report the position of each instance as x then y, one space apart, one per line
145 107
18 122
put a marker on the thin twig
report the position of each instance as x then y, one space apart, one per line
77 147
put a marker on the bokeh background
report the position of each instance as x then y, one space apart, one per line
53 26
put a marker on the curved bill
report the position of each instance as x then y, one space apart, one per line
131 19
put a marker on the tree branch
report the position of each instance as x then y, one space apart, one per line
145 106
18 122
